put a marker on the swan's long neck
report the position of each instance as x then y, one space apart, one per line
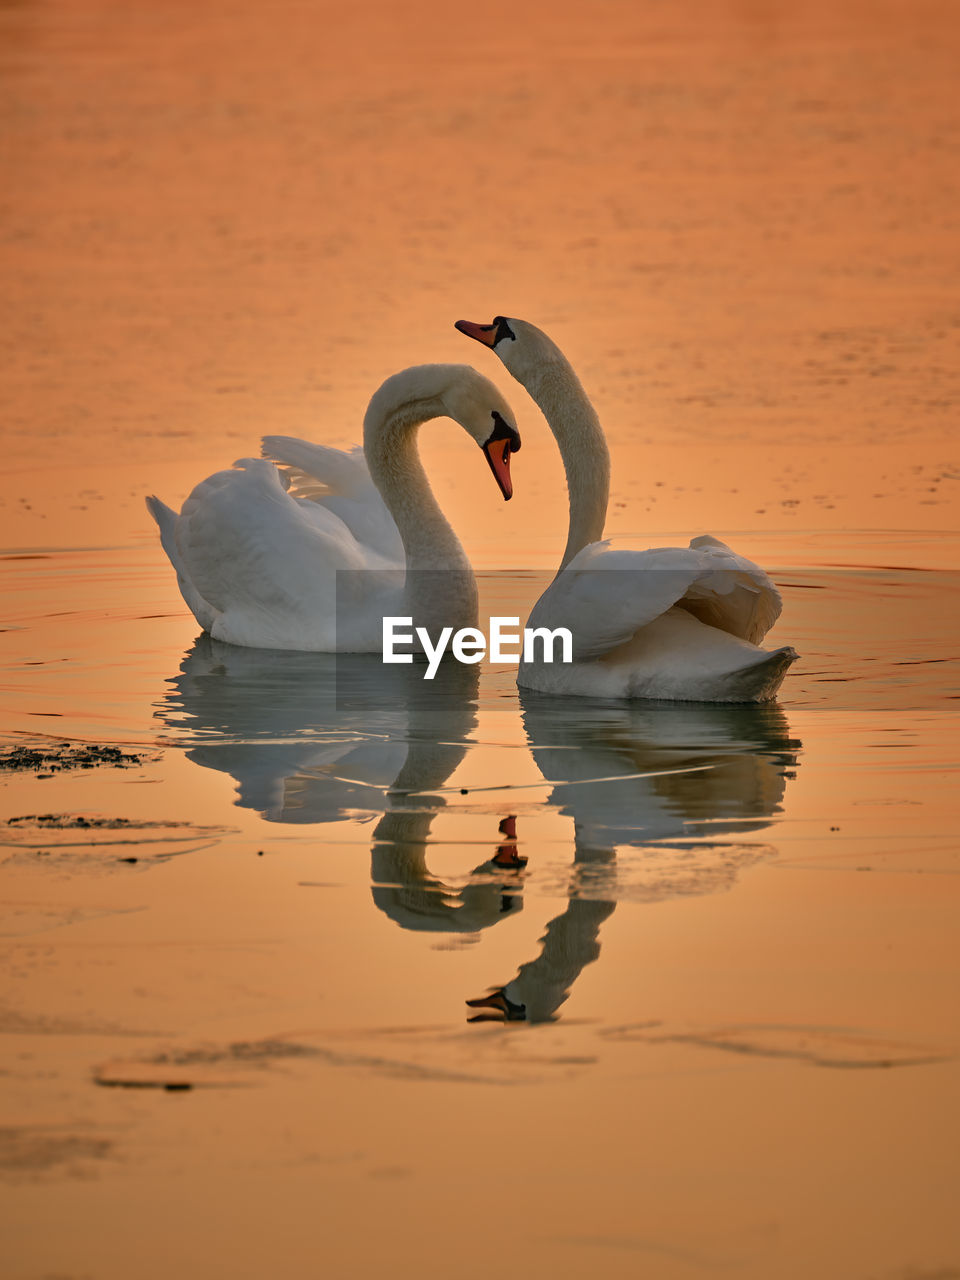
390 445
583 448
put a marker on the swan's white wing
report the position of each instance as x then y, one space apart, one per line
331 470
733 593
338 480
605 595
265 566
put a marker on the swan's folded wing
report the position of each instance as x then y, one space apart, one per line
731 593
606 595
337 480
245 544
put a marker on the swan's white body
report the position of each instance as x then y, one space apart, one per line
261 559
678 623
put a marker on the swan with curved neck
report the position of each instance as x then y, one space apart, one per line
679 623
258 563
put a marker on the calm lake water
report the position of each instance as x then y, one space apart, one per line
719 941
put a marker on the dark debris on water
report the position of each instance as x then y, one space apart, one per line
49 760
67 821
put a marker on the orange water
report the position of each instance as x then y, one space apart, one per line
734 937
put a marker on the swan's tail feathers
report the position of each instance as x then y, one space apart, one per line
760 681
166 520
324 469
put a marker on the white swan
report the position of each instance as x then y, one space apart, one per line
258 565
675 622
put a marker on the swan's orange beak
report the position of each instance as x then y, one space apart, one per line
485 333
498 455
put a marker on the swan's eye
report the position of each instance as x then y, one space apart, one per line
502 430
503 330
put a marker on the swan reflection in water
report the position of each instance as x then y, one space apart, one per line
658 792
655 791
315 738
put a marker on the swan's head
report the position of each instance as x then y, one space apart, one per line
523 348
446 391
473 401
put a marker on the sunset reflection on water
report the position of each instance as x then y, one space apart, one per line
716 1002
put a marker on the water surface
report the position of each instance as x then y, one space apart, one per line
713 1020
